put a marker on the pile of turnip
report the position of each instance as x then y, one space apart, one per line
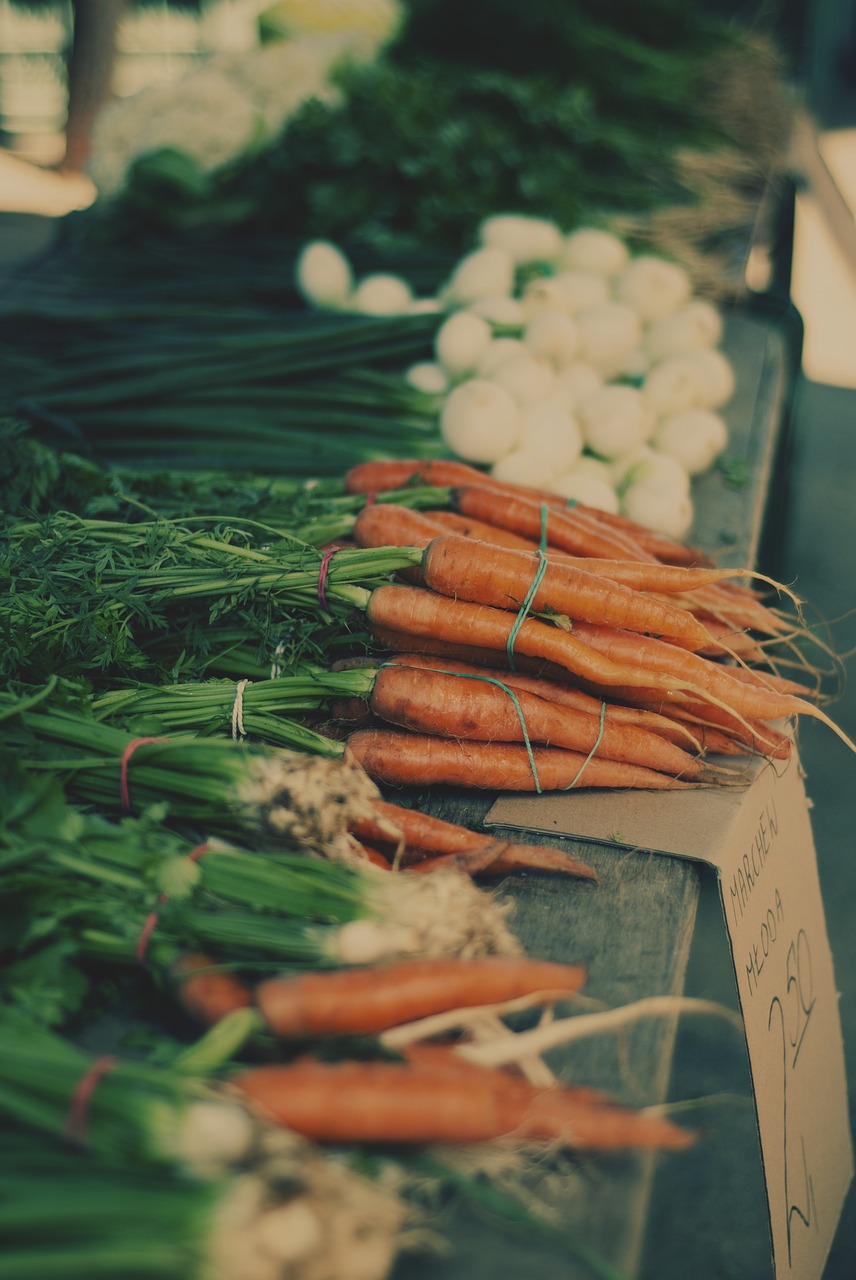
563 362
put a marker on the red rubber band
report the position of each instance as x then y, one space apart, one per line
123 768
371 499
322 573
77 1117
151 920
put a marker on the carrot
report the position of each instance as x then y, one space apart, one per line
739 608
374 856
725 641
568 528
207 993
642 575
501 577
428 1101
417 838
670 701
388 525
407 644
426 614
500 858
381 474
656 544
402 827
467 527
669 709
406 526
658 657
365 1001
377 476
556 690
646 575
476 709
771 680
756 736
412 759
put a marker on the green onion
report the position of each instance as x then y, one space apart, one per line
305 394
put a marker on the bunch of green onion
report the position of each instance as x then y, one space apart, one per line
135 890
118 1168
261 709
228 787
300 395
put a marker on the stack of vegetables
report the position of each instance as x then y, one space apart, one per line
560 361
250 994
200 712
563 362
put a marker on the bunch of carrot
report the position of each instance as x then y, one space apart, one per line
429 1094
524 645
540 646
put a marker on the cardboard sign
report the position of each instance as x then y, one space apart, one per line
759 841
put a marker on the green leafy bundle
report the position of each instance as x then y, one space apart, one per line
88 595
301 395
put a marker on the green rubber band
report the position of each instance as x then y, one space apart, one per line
588 758
530 594
469 675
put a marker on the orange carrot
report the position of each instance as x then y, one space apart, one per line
427 614
658 658
388 525
656 544
501 576
412 759
645 575
407 643
771 680
568 528
377 476
382 474
467 527
417 838
501 858
365 1001
394 824
207 993
741 611
374 856
427 1101
756 736
556 689
476 709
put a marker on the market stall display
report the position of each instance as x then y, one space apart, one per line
281 621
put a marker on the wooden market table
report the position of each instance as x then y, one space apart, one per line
633 930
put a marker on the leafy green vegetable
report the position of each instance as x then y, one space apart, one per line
83 595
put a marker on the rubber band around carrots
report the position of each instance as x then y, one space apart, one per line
77 1118
151 920
132 746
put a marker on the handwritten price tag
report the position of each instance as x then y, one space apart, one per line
760 842
775 920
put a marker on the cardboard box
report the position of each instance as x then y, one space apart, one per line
759 841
